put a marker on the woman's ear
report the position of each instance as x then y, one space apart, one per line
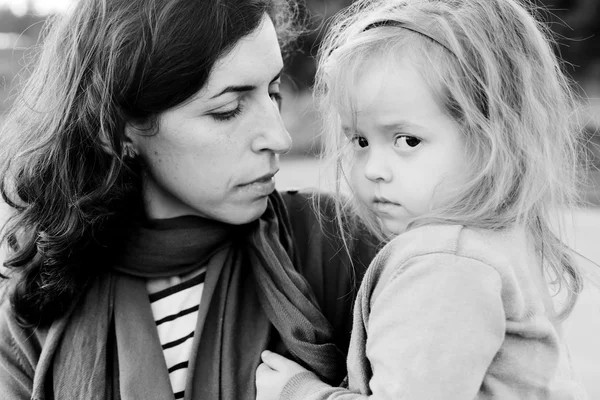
128 142
131 138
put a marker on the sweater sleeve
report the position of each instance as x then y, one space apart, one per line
432 333
18 357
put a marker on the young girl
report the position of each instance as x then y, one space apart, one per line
455 125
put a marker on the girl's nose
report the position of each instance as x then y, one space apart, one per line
377 168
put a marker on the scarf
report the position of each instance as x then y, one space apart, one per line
107 347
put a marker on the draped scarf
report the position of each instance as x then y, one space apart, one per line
107 346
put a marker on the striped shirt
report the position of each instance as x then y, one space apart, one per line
175 302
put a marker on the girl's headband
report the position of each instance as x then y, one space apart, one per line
391 22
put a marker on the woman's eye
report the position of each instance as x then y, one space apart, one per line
277 99
360 141
227 115
406 142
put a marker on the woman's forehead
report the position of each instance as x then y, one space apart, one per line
254 61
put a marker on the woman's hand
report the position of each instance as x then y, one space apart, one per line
273 374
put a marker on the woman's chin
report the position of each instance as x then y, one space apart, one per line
246 213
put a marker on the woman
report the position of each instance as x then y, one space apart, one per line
149 254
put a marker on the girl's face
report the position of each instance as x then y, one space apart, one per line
215 156
407 152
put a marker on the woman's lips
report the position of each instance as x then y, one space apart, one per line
262 186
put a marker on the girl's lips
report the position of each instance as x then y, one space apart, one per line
385 207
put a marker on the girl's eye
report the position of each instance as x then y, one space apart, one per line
277 99
406 142
360 141
227 115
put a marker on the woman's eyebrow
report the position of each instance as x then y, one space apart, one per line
278 75
243 88
234 88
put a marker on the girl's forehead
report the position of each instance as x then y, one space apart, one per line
361 82
349 75
386 97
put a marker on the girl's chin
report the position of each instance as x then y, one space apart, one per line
393 227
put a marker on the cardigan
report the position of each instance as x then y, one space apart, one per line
332 274
448 312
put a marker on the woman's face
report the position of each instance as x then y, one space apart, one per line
216 155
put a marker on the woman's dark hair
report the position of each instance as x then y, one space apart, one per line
63 164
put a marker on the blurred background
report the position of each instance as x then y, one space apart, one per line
577 32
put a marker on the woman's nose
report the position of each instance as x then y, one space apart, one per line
272 135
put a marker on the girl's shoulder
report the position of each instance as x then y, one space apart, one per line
435 246
486 245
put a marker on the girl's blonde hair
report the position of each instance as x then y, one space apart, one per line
491 66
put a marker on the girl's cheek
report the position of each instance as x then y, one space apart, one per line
357 180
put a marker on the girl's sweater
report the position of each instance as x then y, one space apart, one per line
447 312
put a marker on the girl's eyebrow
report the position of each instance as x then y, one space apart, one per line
243 88
403 125
348 131
397 125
